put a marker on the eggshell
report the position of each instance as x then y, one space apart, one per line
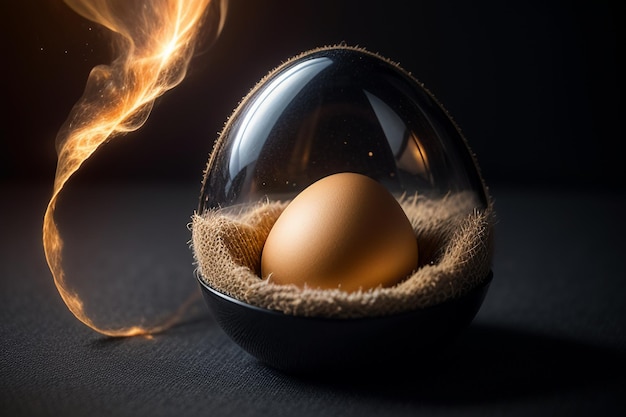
344 231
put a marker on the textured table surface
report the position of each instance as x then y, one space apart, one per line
550 338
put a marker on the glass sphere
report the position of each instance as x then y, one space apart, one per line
327 111
338 109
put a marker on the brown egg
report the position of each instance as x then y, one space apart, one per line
344 231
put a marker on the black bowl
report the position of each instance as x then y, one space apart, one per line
305 345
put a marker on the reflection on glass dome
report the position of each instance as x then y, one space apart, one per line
338 109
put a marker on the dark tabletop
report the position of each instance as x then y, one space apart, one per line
550 338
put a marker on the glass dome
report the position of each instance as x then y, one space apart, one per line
338 109
327 111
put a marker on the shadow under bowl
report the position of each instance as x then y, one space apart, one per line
312 345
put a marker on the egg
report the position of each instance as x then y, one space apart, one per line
345 231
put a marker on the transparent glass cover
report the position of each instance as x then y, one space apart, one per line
338 109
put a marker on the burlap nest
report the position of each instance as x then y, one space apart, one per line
455 250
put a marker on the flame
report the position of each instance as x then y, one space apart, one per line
156 42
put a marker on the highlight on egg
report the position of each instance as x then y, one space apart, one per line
345 231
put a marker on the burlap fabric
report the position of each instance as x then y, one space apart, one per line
455 243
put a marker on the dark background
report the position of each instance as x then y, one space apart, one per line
535 86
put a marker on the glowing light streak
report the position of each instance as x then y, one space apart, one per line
156 39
